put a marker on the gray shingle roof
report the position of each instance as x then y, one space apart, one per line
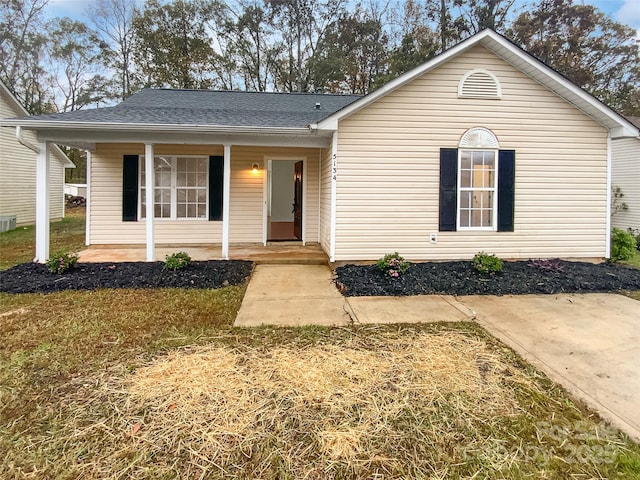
210 107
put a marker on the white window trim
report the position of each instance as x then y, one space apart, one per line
174 189
494 190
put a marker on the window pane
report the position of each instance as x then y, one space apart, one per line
181 195
202 211
465 200
465 160
464 218
487 218
182 210
465 178
202 195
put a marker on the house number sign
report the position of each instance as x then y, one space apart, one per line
334 165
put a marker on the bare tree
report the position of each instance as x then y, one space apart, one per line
113 20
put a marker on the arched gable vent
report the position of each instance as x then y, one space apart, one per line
479 84
478 138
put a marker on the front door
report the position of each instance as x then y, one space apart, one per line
297 201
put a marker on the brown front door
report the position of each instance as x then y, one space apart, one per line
297 201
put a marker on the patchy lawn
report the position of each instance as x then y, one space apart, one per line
157 384
18 245
634 261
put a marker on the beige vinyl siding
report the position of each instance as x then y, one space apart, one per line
247 191
18 174
387 196
325 200
246 205
625 174
107 226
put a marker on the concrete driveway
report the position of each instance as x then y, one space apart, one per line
590 344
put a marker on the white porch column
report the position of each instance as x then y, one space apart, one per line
226 189
42 203
149 201
334 175
87 233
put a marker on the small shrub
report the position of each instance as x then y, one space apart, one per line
177 261
623 245
392 265
636 234
61 262
551 266
485 263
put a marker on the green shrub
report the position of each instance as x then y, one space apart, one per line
636 234
61 261
485 263
177 261
623 245
392 265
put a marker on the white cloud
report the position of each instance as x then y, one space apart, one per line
629 13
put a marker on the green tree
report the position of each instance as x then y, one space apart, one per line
76 65
592 50
303 25
23 41
173 47
416 39
477 15
352 55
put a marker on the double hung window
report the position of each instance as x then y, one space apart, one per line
477 191
180 187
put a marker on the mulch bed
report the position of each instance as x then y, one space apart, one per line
35 278
459 278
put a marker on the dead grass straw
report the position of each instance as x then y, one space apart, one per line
321 411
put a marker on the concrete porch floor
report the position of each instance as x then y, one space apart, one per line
276 253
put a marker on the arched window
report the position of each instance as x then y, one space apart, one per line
477 180
478 138
479 83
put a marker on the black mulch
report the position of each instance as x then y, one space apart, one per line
459 278
35 278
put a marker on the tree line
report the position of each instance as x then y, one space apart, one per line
335 46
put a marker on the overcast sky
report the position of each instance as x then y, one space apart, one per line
625 11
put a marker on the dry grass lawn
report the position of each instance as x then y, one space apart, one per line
157 384
18 246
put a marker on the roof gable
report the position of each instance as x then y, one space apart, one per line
519 59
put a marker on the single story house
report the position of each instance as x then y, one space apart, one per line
481 148
625 174
18 172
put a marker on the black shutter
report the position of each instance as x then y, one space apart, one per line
448 189
130 188
216 173
506 189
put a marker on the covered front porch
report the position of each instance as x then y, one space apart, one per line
277 253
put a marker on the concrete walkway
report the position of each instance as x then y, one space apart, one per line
292 295
590 344
295 295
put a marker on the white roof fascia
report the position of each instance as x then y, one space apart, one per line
60 155
510 53
42 125
88 139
